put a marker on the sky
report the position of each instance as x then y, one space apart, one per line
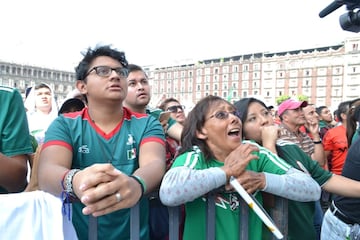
53 34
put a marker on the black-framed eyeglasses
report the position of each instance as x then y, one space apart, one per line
105 71
222 115
175 108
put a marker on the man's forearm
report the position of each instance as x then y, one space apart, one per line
13 172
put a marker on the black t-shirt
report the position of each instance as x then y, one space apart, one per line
350 206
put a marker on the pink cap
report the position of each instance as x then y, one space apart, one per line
290 104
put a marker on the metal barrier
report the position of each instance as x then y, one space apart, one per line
279 214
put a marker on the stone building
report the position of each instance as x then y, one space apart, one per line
327 75
24 76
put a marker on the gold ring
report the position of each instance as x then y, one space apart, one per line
118 197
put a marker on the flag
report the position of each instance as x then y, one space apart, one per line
231 94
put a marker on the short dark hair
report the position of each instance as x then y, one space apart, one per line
166 101
71 105
319 109
342 108
195 122
135 68
106 50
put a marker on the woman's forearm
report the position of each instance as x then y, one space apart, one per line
183 184
294 185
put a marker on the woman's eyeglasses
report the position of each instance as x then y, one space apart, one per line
222 115
105 71
175 108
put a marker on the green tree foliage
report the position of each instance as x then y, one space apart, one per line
282 98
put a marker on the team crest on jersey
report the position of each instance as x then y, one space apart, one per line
130 140
84 149
234 202
131 154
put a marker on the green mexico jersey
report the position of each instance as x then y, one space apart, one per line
14 130
227 203
90 145
301 214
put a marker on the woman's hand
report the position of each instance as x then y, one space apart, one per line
269 135
236 162
252 181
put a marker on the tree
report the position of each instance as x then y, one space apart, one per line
282 98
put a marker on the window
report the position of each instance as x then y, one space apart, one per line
225 69
245 84
321 81
280 83
320 91
293 83
321 71
306 82
337 71
355 47
293 73
235 68
245 67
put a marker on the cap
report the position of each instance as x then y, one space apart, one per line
290 104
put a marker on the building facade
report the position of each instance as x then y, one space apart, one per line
327 75
24 76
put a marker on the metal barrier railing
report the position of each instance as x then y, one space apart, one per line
279 214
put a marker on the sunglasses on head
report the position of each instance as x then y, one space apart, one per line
222 115
105 71
175 108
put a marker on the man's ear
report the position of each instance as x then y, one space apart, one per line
201 134
81 86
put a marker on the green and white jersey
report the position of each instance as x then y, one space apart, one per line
301 214
227 203
90 145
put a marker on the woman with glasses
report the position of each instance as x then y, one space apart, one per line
258 125
212 151
177 110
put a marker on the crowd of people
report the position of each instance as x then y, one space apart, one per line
104 150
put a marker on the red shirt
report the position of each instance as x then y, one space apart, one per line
335 141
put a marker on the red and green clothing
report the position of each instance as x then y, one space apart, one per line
89 145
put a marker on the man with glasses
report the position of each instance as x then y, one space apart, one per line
177 110
105 157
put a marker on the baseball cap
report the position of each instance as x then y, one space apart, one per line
290 104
